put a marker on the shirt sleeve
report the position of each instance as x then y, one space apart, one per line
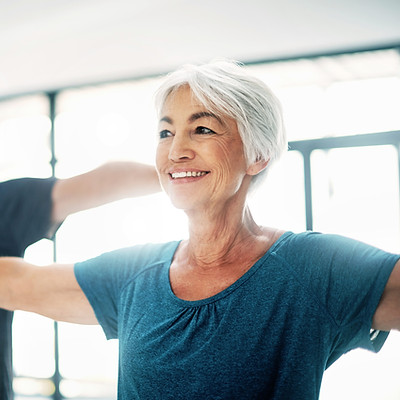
25 209
348 278
101 281
103 278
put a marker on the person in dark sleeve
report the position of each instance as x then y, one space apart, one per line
32 209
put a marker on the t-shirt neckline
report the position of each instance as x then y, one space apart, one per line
226 291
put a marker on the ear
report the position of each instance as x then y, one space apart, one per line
257 166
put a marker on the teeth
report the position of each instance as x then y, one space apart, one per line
185 174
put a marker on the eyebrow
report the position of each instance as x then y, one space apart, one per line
194 117
204 114
168 120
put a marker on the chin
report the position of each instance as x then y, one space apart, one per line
180 203
184 201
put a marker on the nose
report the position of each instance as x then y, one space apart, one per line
181 148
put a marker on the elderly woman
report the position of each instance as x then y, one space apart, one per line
236 311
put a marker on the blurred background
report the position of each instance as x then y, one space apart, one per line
77 79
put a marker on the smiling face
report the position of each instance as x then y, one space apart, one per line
200 156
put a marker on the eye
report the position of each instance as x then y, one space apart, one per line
202 130
165 133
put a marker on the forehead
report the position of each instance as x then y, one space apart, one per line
182 103
181 97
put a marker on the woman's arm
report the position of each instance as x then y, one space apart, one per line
51 291
109 182
387 315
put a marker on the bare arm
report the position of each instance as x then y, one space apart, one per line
51 291
387 315
110 182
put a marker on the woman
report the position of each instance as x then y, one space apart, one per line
236 311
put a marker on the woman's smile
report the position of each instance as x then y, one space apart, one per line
179 175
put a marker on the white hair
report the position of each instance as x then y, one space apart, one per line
226 88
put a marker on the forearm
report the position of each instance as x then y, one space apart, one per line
14 276
9 271
110 182
51 291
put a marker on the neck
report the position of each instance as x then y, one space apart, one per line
219 238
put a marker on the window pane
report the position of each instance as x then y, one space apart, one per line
88 363
363 106
338 95
33 353
107 122
279 202
24 138
355 193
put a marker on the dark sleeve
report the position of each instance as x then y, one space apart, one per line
25 210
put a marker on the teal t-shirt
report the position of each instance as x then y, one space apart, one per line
270 335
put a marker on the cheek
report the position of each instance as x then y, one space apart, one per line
231 163
161 156
161 163
232 156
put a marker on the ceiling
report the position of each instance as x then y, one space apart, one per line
50 44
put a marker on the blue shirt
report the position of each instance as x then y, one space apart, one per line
270 335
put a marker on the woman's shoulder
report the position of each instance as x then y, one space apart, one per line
146 252
132 258
306 240
314 246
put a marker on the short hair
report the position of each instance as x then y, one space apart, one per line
224 87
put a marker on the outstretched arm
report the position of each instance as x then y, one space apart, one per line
387 315
51 291
110 182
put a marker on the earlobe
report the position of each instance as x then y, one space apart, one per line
257 166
